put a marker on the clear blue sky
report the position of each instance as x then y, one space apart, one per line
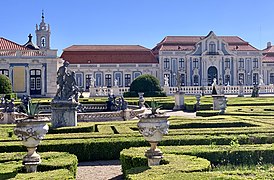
143 22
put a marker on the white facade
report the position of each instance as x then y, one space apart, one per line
106 74
31 68
211 57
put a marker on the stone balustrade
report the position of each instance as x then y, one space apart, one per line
92 116
190 90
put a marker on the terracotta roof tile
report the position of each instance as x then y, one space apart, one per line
9 45
106 48
100 54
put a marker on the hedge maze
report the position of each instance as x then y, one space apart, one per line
236 145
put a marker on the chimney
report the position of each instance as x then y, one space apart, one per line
268 44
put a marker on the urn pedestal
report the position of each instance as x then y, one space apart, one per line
153 127
217 101
31 132
64 113
179 101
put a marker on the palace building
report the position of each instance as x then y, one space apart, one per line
31 68
193 60
107 63
197 60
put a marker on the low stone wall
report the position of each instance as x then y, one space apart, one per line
93 116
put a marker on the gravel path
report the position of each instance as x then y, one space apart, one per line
99 170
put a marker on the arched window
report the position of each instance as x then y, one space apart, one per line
43 41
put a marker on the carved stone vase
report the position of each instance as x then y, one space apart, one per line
31 132
153 127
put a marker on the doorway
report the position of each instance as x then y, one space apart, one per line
211 74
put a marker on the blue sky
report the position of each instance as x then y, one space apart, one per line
143 22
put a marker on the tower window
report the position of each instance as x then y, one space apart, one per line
43 42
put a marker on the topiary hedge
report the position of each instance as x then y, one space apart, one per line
147 84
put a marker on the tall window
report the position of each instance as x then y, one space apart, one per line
271 78
241 63
255 63
255 78
88 78
195 63
181 63
241 78
196 80
5 72
182 78
98 79
227 79
108 80
79 79
212 48
127 80
166 63
227 63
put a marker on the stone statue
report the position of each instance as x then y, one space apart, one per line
166 81
115 82
214 91
92 81
68 89
61 74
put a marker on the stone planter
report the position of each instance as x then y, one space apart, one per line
153 127
31 132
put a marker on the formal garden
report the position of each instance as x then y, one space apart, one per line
230 138
234 145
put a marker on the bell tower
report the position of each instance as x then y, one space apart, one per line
43 34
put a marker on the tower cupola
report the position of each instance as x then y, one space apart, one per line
43 34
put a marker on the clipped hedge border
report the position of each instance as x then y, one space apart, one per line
61 163
110 148
134 161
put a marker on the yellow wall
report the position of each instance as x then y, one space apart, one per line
19 79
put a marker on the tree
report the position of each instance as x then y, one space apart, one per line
5 85
147 84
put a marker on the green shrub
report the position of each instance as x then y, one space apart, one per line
5 85
147 84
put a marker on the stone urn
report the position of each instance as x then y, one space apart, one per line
153 127
31 132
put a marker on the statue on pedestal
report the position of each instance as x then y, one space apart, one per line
68 89
214 84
